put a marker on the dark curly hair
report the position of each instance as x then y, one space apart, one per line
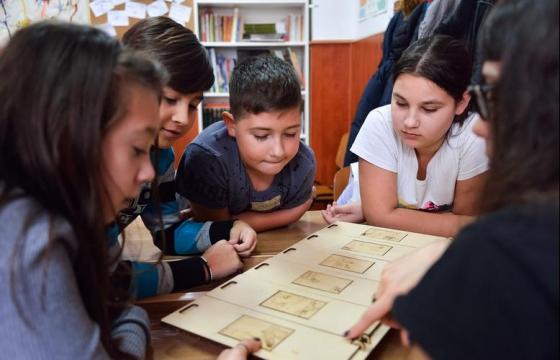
263 84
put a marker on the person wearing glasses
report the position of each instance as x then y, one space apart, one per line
493 292
421 167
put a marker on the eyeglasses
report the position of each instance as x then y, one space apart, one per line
484 96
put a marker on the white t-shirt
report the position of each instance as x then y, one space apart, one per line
351 192
461 157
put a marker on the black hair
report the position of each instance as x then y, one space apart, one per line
524 130
441 59
263 84
63 86
177 49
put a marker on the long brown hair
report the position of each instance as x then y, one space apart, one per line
61 89
524 129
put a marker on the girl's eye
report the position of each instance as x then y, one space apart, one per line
401 104
169 100
260 137
290 135
430 110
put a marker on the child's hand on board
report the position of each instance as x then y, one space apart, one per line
351 212
241 351
243 238
398 278
222 259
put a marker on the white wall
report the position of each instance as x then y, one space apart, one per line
377 24
339 20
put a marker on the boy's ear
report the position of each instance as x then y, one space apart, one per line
230 123
462 105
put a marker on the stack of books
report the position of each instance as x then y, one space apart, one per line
212 113
289 29
224 64
215 28
223 67
232 28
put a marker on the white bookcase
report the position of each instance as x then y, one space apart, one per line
257 12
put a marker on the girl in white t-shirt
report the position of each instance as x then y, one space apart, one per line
419 152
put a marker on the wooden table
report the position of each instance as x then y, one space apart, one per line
172 344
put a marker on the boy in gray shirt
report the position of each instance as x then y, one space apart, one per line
252 165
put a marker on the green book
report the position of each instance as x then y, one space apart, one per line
259 28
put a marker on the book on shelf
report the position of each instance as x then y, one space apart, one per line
290 56
223 64
264 37
259 28
212 113
289 29
223 67
219 28
286 54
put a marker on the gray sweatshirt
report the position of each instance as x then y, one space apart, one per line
52 322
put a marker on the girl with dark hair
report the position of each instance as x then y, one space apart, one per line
493 292
419 152
77 118
222 242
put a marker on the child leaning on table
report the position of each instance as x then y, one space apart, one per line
190 73
252 165
421 166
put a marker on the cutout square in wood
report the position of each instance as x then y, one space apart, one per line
387 235
367 248
324 282
347 263
248 327
293 304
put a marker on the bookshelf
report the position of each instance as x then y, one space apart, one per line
220 26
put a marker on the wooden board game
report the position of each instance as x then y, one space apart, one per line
300 301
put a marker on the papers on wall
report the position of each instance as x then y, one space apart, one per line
180 13
117 18
135 10
101 7
157 8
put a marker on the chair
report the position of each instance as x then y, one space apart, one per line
328 193
340 181
341 151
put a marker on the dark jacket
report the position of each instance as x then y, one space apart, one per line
464 24
398 36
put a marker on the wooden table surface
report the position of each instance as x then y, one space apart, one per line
170 343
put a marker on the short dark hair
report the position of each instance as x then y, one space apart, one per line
177 49
525 127
263 84
441 59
